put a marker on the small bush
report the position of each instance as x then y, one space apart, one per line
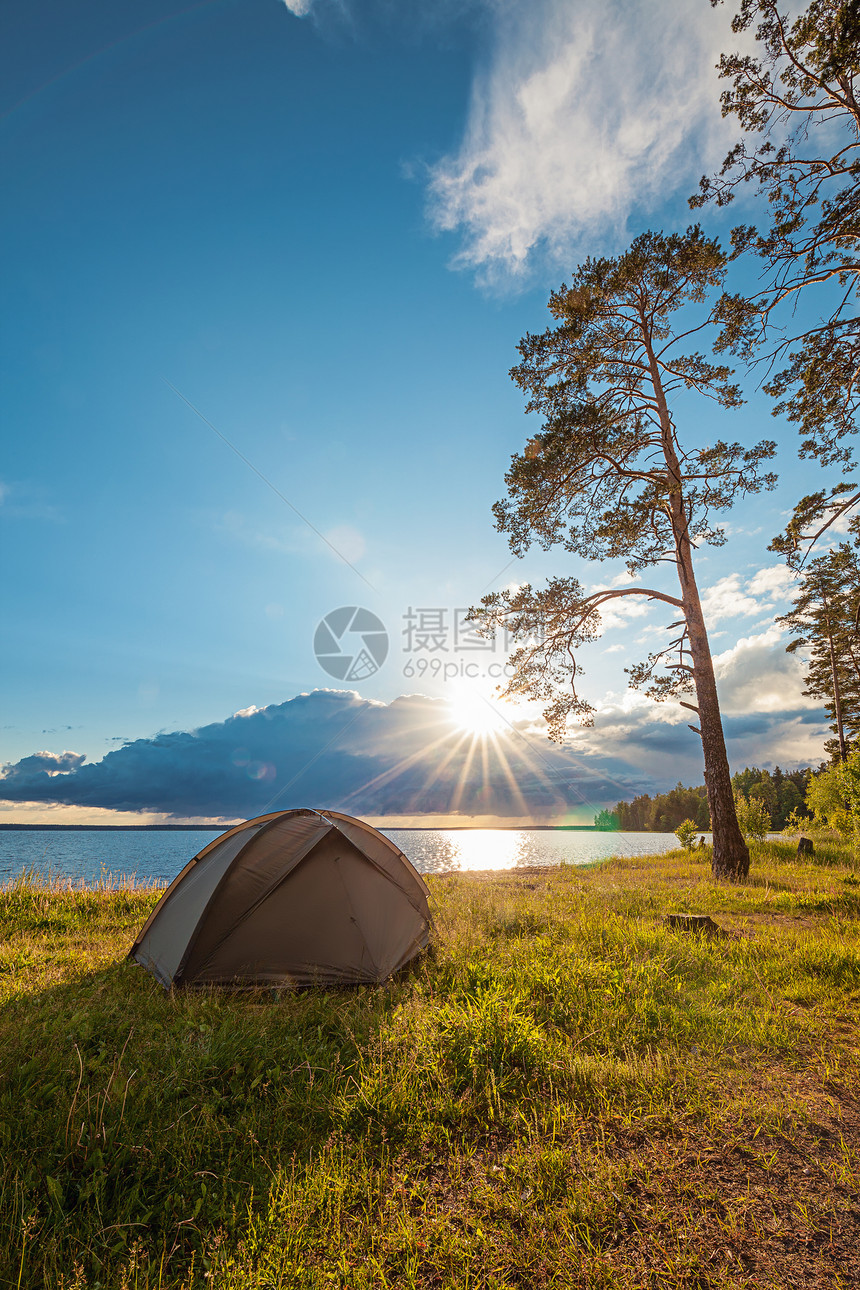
753 817
687 833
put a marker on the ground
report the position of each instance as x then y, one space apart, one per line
563 1092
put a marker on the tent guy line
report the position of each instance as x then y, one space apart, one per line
102 52
267 482
504 569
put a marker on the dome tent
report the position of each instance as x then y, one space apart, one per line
295 898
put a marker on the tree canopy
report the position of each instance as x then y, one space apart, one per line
796 102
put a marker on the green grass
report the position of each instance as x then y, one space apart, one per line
561 1092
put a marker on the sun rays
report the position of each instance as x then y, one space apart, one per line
463 759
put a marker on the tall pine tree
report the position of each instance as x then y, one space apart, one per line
609 476
825 623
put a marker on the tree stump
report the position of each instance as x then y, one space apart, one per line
701 924
804 848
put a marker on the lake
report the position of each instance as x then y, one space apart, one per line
156 855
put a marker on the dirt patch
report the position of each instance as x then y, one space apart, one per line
758 1207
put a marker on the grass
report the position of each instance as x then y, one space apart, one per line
561 1092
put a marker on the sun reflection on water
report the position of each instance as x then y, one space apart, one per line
443 850
485 849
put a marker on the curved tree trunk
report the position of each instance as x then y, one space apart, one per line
731 857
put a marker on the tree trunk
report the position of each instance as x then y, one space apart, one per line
837 697
731 857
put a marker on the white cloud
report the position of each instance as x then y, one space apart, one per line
580 113
47 763
25 501
841 525
774 583
768 588
618 612
725 599
344 540
286 541
756 675
766 719
632 709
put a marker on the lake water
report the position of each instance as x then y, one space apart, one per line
156 855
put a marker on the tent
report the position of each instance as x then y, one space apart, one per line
294 898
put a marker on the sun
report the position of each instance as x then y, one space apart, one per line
477 713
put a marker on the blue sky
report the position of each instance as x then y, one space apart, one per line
326 225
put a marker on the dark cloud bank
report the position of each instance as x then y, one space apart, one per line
336 749
329 748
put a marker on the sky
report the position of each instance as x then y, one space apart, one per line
266 266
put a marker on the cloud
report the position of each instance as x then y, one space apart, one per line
286 540
615 613
725 599
335 749
768 588
618 612
43 763
579 113
347 541
328 748
767 720
773 583
25 501
757 675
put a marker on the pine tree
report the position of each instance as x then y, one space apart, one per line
797 102
608 476
825 622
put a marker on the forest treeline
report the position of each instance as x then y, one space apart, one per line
780 792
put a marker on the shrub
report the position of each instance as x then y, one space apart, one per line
753 817
834 797
687 833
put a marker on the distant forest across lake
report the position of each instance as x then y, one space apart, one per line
781 793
